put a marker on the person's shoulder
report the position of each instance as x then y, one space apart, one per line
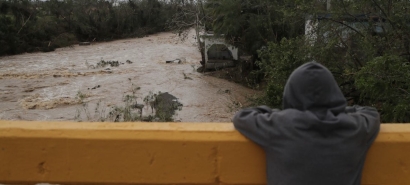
292 112
357 110
287 116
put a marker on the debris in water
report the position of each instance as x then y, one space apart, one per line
37 102
227 91
173 61
84 43
104 63
98 86
137 106
179 61
186 77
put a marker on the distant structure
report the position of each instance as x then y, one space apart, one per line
348 23
218 53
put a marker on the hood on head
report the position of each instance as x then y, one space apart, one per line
312 87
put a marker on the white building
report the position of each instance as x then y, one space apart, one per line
218 53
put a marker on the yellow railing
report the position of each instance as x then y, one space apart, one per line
162 153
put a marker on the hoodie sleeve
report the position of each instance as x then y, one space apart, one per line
255 123
369 118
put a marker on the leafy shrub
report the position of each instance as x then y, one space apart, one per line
384 83
278 60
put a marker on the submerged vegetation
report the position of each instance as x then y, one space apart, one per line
158 107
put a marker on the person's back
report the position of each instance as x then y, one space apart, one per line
315 139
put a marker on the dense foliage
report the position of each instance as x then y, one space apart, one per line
251 24
366 46
35 25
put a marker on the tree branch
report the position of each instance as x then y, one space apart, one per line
24 23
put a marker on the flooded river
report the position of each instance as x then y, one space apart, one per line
61 85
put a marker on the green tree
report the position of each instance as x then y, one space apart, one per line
365 45
251 24
36 25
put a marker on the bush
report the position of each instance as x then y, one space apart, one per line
278 60
383 83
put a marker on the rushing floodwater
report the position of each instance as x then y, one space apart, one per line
46 86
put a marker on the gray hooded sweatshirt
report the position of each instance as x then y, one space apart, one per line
316 139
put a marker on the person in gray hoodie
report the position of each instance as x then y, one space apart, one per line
316 139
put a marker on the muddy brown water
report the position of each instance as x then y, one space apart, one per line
46 86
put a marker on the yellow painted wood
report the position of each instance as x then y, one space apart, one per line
162 153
